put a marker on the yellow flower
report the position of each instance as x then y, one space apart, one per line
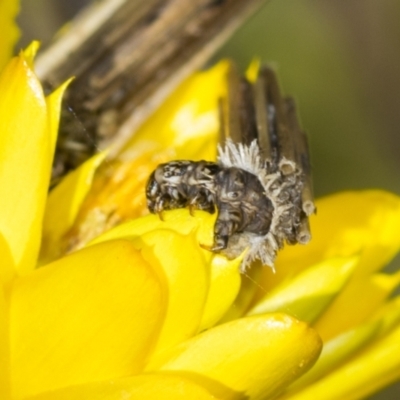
124 315
334 283
141 310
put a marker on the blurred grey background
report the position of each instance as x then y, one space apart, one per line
340 59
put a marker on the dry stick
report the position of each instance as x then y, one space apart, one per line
303 234
287 160
247 113
239 120
261 107
232 123
303 157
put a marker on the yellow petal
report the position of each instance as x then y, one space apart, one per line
308 294
370 292
30 53
223 276
178 258
179 221
347 344
388 316
361 223
224 286
141 387
25 151
53 103
90 316
10 32
252 358
190 112
248 289
63 206
370 371
349 223
7 267
336 351
5 389
346 224
253 69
